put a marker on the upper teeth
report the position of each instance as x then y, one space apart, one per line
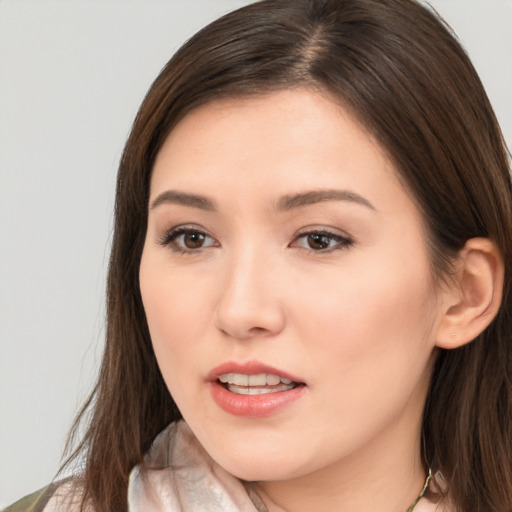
261 379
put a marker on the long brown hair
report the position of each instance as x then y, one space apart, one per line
405 77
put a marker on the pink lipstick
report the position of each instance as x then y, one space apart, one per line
253 389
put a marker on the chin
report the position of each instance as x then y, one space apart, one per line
261 472
260 465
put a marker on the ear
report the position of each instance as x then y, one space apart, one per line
473 297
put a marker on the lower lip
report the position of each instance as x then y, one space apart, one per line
254 406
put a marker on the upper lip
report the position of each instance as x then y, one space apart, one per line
249 368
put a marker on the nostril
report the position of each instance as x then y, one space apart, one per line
258 330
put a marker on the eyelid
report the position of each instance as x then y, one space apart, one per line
169 238
327 230
170 235
344 239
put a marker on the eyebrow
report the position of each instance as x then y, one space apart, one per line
286 203
184 199
291 202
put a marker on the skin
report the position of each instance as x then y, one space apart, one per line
356 322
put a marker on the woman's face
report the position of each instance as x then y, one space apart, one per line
287 288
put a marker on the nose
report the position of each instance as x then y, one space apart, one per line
249 303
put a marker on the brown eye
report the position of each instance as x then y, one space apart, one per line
322 241
193 240
318 241
187 240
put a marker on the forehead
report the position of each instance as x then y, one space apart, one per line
282 142
277 121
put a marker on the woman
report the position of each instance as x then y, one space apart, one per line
311 268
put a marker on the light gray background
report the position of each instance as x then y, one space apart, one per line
72 74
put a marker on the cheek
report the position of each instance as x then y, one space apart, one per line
176 312
174 296
370 300
367 336
376 324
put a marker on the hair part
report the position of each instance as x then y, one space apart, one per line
404 76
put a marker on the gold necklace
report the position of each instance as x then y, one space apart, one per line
421 494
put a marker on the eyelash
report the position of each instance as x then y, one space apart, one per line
341 242
170 240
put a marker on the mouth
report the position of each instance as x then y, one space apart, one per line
259 384
253 389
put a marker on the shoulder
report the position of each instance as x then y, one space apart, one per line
62 496
34 502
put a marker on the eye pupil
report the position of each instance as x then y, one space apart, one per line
318 241
193 240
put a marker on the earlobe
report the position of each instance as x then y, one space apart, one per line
474 296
